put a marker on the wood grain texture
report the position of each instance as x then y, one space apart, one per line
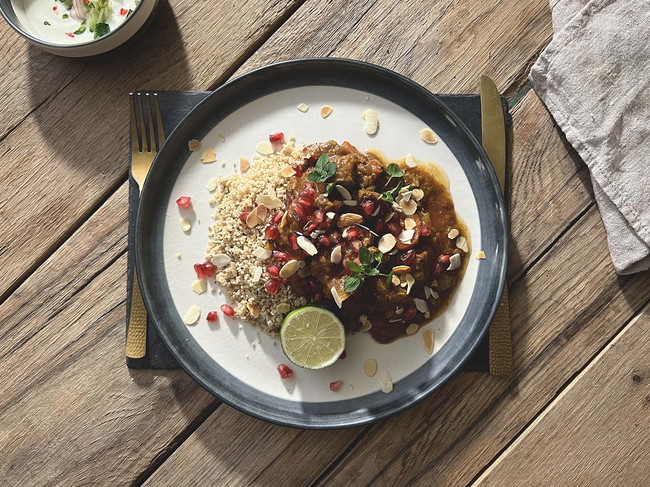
596 431
60 169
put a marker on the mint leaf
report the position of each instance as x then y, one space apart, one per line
101 30
329 188
354 267
365 256
389 279
394 171
391 194
352 283
323 170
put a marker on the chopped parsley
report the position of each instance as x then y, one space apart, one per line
80 30
65 16
324 169
46 23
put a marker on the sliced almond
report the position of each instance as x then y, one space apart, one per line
270 202
453 233
331 215
257 273
244 164
212 184
192 316
435 295
257 216
428 136
408 207
370 367
350 202
178 255
406 196
386 243
406 235
305 244
186 224
461 243
283 308
398 270
303 107
264 148
427 292
287 171
428 338
199 286
396 280
284 220
337 298
418 194
349 219
365 323
480 255
410 280
289 269
209 155
253 309
337 255
410 161
389 216
434 283
326 111
454 262
385 382
261 254
409 223
221 260
421 305
412 329
345 194
194 145
222 138
399 310
372 121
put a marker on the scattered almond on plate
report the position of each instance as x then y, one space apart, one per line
186 224
480 255
194 145
244 164
209 155
303 107
192 316
428 136
326 111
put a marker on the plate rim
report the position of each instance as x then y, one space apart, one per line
501 267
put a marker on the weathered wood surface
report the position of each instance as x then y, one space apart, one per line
596 431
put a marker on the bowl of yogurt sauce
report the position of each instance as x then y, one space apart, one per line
77 28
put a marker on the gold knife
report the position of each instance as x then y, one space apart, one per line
493 129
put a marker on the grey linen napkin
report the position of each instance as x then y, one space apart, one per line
594 77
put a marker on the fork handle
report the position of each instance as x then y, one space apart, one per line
136 334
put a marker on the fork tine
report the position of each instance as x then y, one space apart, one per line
143 126
150 124
161 130
135 140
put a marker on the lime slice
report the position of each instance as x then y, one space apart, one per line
312 337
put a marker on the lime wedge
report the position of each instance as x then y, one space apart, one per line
312 337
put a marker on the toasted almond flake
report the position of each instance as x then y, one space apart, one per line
366 228
428 339
406 235
212 184
398 310
223 163
409 223
283 308
186 224
396 280
337 255
345 194
427 315
410 280
199 286
350 202
221 260
178 255
376 212
372 121
402 280
434 283
421 305
305 244
261 254
289 269
435 295
398 270
388 216
453 233
349 219
304 272
244 164
303 107
370 367
365 323
408 207
331 215
337 298
454 262
222 138
406 196
287 171
284 220
410 161
269 201
209 155
326 111
253 309
385 382
427 292
194 145
480 255
412 329
192 316
428 136
264 148
461 243
418 194
257 216
395 320
257 273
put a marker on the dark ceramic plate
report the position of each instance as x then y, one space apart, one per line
245 111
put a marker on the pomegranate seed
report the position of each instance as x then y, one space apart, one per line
409 313
272 286
123 11
209 269
276 138
437 269
336 385
407 258
444 258
298 169
227 310
271 232
277 218
310 226
184 202
335 237
200 271
310 184
352 233
293 240
280 256
243 216
367 207
309 193
302 213
70 34
425 231
308 204
285 371
54 8
323 240
380 226
212 317
273 270
343 355
356 245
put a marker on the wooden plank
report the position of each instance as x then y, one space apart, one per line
596 431
73 150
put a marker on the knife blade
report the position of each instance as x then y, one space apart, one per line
493 130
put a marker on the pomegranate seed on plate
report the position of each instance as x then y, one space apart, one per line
298 169
317 298
184 202
285 371
319 215
367 207
356 245
336 385
227 310
277 218
437 269
335 236
273 270
243 216
276 138
123 11
324 240
271 232
409 313
308 204
200 271
310 226
212 317
293 240
280 256
352 233
209 269
444 258
407 258
272 286
301 211
309 193
425 231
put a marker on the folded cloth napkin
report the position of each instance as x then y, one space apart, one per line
594 77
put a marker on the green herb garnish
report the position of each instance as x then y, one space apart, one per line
391 194
101 30
67 3
65 16
329 188
46 23
80 30
369 267
324 169
394 171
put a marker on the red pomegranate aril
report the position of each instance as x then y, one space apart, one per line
298 169
437 269
212 317
200 271
302 212
271 232
324 240
273 270
407 258
285 371
228 310
308 204
293 240
272 286
184 202
409 313
310 226
352 233
335 237
209 269
444 258
276 138
425 231
243 216
343 355
310 184
319 216
336 385
356 245
277 218
367 207
309 194
280 256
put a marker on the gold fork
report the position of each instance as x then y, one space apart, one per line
144 146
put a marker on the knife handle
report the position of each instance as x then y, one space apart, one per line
501 339
136 333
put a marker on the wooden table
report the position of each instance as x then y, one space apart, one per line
575 412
